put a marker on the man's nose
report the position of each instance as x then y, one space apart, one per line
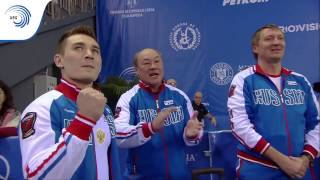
88 53
277 41
153 65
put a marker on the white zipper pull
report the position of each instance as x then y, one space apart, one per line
157 103
281 98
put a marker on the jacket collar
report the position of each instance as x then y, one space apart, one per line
147 88
257 68
68 89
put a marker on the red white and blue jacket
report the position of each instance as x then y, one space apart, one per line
59 143
154 155
262 116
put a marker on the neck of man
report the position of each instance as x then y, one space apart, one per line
155 88
271 68
77 83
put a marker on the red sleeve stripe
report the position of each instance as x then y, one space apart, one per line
146 130
265 148
261 146
126 133
310 150
80 129
254 159
132 131
55 154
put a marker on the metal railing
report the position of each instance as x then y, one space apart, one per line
60 9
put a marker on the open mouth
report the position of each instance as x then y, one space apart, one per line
276 50
154 75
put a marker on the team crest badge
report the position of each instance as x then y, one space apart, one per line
27 124
117 112
231 90
100 136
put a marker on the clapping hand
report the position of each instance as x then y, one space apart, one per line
193 127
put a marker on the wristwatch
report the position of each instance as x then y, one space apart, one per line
308 156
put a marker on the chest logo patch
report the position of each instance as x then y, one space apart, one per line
292 83
168 102
100 136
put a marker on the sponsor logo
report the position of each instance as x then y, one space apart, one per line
168 102
221 73
242 2
185 36
19 15
27 124
131 11
100 136
300 27
4 164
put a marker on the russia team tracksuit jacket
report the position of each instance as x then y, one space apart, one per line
154 155
262 116
59 143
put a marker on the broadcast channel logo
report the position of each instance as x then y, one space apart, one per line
19 15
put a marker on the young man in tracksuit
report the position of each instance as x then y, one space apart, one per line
68 133
274 114
155 121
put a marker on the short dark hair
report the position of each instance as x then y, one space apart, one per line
135 58
86 30
8 102
256 36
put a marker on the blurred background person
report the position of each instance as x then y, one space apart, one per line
172 82
9 116
202 110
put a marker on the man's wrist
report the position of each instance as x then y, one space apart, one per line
153 128
308 156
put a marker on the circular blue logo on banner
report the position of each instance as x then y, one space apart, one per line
221 73
128 74
184 36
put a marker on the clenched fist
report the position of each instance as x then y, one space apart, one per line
91 103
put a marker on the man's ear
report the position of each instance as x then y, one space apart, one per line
58 61
254 48
136 72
